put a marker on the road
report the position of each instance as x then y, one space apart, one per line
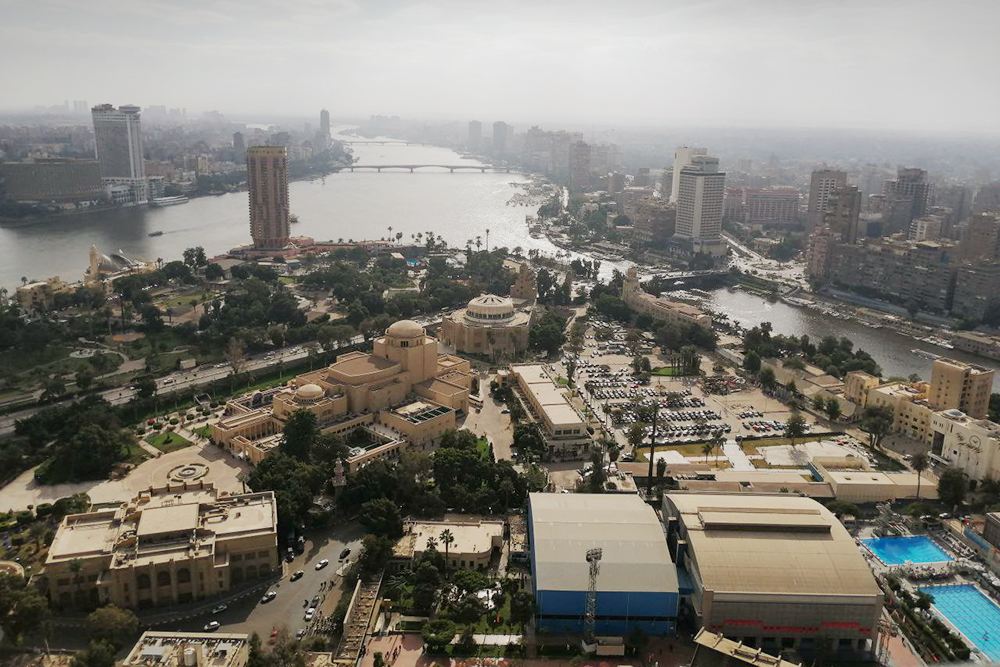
288 609
195 377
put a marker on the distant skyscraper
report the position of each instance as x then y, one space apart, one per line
701 188
267 176
843 213
906 197
821 186
499 137
118 137
324 123
579 165
475 140
239 145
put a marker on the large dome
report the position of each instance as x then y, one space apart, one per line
308 393
405 329
490 307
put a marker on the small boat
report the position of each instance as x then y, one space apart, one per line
925 354
156 233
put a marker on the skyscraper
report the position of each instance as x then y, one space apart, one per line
239 146
821 186
701 188
906 197
843 214
267 176
475 140
118 137
579 166
682 158
324 122
499 137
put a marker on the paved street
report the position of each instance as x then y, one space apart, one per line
491 423
287 610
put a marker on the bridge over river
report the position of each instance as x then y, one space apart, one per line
482 168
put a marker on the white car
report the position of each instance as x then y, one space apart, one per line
211 626
323 563
309 614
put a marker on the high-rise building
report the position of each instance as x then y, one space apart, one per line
52 179
981 239
699 204
822 184
926 228
239 146
118 139
499 137
906 197
267 176
324 122
977 287
682 158
842 214
475 140
956 385
579 165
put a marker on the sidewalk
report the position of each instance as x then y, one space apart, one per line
736 456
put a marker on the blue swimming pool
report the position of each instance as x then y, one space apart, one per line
913 549
969 610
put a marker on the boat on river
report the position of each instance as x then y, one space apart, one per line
168 201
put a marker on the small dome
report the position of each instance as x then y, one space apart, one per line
405 329
490 307
309 392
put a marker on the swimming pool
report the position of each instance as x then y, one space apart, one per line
913 549
973 613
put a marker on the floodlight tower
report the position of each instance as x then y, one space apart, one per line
594 558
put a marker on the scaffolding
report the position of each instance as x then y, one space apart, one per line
594 558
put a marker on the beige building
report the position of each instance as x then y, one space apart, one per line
911 410
166 546
775 571
189 649
671 312
476 541
489 325
403 393
525 287
856 387
564 430
958 385
267 177
971 445
40 295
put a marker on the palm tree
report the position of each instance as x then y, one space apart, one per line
243 478
447 539
479 242
706 449
919 464
487 239
390 232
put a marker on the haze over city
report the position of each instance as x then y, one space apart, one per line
913 66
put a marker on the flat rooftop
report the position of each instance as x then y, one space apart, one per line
770 544
159 520
471 537
363 364
166 649
564 526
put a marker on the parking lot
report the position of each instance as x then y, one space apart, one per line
686 413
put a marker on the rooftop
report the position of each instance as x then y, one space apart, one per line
360 364
172 519
777 543
471 537
210 649
565 526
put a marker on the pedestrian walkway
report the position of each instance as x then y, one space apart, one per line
737 458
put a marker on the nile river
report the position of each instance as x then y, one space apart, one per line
363 205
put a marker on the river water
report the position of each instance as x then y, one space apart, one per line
363 205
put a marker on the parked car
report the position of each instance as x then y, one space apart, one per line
219 609
323 563
268 596
296 575
309 614
344 554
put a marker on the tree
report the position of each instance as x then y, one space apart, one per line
195 257
818 403
795 427
97 654
24 611
299 434
235 353
832 409
54 389
706 449
84 377
767 379
876 422
751 362
952 487
438 633
522 608
470 581
381 517
447 539
923 601
214 272
919 463
145 386
113 625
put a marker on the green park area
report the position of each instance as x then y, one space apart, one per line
168 441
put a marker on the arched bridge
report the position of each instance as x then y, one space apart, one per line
482 168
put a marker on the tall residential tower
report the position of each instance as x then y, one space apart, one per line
682 158
267 176
823 184
701 187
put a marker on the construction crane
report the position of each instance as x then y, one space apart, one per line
594 558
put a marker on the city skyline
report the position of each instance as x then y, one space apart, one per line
794 60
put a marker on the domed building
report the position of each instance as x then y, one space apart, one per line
490 325
403 394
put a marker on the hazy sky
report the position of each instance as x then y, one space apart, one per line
909 64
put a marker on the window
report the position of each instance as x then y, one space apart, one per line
142 581
183 576
163 578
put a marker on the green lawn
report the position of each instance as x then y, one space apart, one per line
136 454
483 447
204 431
687 449
665 370
168 441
